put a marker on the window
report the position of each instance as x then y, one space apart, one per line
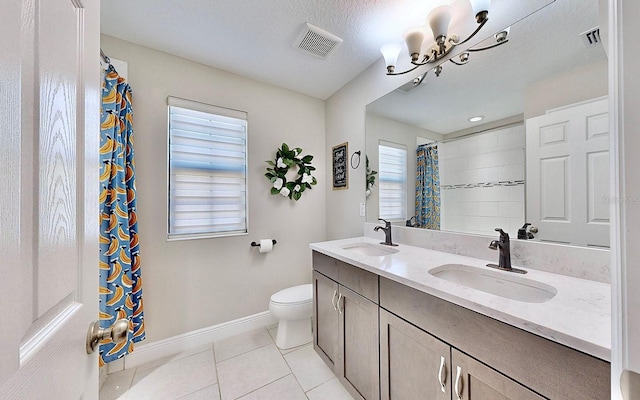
207 170
392 172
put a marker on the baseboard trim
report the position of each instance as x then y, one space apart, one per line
190 340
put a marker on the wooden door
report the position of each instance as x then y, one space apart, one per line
413 364
567 174
50 103
473 380
358 357
325 318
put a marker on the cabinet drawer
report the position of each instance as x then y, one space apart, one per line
326 265
551 369
357 279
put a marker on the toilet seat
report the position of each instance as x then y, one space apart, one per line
296 295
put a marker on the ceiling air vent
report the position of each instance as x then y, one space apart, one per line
316 41
591 37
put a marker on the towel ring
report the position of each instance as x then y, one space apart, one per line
357 165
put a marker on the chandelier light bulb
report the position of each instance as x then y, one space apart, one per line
481 9
479 6
439 19
414 39
390 52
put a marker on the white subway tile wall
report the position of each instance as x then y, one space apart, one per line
482 182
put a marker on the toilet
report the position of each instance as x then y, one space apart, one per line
293 308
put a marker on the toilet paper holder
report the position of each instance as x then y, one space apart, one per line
254 244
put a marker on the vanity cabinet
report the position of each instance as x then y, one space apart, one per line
345 312
385 340
518 364
416 365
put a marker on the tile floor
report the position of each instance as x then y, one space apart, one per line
248 366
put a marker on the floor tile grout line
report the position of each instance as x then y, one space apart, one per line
137 367
197 390
296 377
177 359
243 353
209 349
215 366
265 385
247 351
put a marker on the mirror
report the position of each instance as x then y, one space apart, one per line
519 164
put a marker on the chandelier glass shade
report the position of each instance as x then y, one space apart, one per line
438 21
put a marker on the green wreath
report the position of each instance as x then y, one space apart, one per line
277 172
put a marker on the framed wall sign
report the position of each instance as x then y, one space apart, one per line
339 155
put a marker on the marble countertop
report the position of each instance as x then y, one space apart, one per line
578 316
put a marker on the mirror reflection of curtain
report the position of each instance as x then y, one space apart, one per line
427 188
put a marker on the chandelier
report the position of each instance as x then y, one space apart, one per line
438 20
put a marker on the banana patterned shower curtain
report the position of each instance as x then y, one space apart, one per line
427 188
120 274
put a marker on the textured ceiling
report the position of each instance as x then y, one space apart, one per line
542 45
254 38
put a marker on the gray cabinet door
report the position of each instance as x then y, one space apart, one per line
358 360
413 364
325 318
473 380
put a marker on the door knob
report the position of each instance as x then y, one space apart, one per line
117 332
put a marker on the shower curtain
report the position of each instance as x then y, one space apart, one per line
427 188
120 274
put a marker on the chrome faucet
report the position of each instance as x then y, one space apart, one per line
504 245
387 232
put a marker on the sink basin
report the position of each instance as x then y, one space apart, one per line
368 249
496 283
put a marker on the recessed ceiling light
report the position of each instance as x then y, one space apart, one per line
476 119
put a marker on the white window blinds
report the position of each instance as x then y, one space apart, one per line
392 192
207 170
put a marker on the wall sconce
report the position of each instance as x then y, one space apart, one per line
438 20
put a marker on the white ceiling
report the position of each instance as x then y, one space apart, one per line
254 38
542 45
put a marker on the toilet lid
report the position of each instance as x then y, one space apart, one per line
295 294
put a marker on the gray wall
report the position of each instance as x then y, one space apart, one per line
193 284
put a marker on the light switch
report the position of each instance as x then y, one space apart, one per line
362 209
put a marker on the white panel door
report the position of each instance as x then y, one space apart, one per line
567 174
50 102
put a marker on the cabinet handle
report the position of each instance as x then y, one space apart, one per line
442 375
333 300
338 303
459 383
